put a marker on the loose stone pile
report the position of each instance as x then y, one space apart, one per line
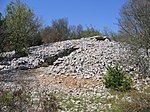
87 57
92 57
37 56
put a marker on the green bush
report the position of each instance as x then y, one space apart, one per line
91 31
117 79
13 101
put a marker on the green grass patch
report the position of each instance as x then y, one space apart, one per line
44 65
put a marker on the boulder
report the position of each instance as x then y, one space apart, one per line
102 38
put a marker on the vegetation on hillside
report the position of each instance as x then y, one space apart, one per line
61 30
134 22
134 29
117 79
21 100
22 26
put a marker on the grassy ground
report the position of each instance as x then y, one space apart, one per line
120 103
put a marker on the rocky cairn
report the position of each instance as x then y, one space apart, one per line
92 57
37 55
87 57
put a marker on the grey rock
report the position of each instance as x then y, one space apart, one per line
1 67
95 56
84 57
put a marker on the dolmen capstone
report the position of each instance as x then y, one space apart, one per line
102 38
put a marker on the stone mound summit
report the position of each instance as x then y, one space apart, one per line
85 57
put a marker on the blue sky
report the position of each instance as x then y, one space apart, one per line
99 13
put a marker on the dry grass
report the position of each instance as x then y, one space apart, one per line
68 81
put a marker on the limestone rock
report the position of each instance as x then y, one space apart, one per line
1 67
86 57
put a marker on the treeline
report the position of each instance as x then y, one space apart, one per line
61 30
20 29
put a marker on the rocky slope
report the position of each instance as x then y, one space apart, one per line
75 72
87 57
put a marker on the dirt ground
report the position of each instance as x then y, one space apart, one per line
35 77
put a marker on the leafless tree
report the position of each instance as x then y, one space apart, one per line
62 27
135 23
49 35
76 31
